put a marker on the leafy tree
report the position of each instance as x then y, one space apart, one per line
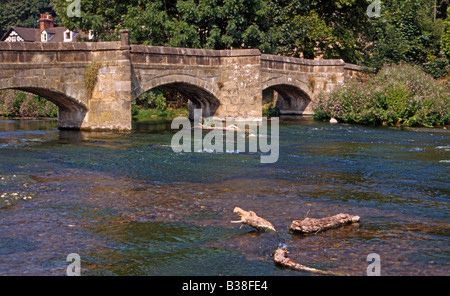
446 36
152 99
23 13
309 36
215 24
103 17
309 28
332 29
405 32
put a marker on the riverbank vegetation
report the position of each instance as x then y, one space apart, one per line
401 95
15 103
159 103
145 114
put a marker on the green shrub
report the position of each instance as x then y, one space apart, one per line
134 109
445 38
21 104
397 95
271 111
438 68
153 99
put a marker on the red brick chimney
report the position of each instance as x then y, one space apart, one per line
45 22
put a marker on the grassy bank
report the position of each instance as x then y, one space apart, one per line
159 103
15 104
143 114
400 95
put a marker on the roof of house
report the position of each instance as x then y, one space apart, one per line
55 34
27 34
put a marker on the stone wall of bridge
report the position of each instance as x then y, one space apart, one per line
298 82
94 84
57 72
223 83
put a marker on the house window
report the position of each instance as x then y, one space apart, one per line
44 36
68 36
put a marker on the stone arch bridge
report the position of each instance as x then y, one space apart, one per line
224 83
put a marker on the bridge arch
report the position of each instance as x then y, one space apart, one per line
200 93
71 112
293 96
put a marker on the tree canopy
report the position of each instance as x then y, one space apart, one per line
405 31
446 35
306 28
24 13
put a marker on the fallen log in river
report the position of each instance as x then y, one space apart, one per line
281 258
251 219
313 225
307 225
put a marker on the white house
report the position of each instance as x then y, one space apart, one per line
47 32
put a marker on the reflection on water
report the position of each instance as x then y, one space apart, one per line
129 205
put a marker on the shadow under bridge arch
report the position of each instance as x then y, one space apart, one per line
201 94
291 97
71 113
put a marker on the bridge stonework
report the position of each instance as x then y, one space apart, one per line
224 83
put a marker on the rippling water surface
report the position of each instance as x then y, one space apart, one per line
129 205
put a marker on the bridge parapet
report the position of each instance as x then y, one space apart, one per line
274 59
355 72
223 83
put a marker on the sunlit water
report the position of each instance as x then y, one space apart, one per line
129 205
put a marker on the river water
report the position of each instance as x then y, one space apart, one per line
128 205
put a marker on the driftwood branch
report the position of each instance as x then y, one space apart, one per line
313 225
281 257
307 225
251 219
